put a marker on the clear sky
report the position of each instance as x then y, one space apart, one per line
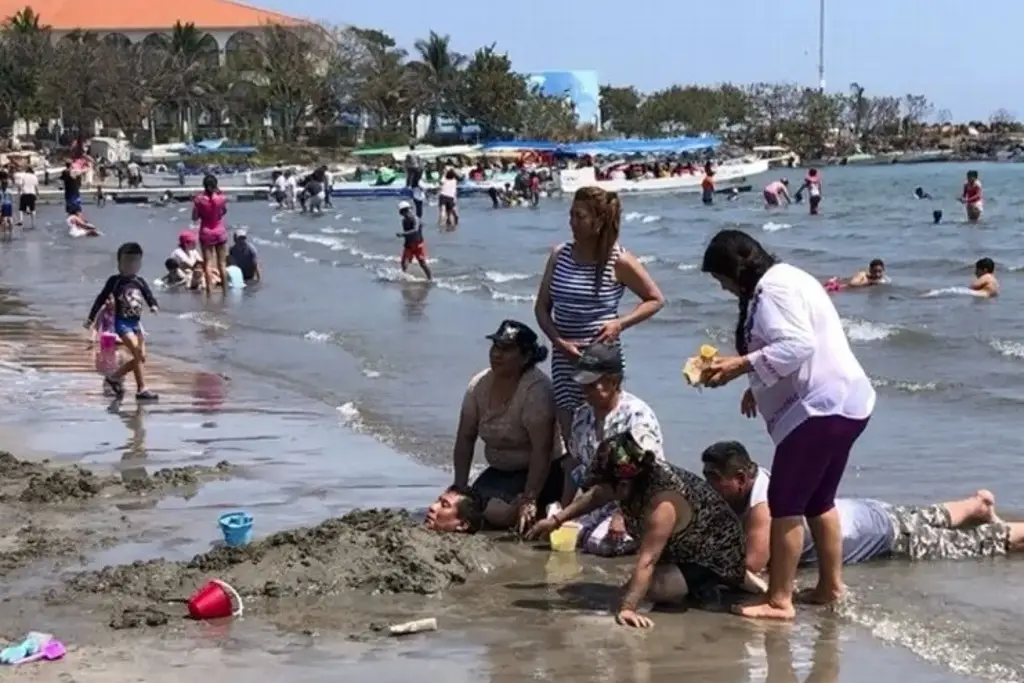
964 55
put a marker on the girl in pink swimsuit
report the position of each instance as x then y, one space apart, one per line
209 208
972 197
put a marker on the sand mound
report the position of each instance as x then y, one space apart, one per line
374 551
42 483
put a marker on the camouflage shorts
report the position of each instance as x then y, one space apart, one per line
927 534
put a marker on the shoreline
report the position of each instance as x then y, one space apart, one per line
561 598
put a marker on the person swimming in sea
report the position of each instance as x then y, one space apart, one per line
985 283
972 197
919 193
937 216
874 275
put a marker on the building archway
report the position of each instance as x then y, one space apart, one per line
118 40
209 49
156 41
240 49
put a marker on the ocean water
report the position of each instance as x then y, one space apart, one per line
339 331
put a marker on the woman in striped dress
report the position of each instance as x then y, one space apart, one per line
579 295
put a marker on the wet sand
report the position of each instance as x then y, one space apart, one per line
108 522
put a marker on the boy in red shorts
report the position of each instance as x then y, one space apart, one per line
415 248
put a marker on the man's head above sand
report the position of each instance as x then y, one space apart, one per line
457 510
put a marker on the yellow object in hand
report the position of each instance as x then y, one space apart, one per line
696 365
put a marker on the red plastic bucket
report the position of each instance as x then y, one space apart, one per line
215 600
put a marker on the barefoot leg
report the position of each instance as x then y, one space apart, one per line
787 542
978 509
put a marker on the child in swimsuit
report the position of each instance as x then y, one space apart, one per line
131 294
812 183
972 197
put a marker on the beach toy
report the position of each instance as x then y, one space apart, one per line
17 653
563 539
52 650
410 627
215 600
695 365
237 528
108 341
235 278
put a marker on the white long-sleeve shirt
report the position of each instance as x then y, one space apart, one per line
803 364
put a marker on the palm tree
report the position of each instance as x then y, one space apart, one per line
439 68
194 59
25 21
860 105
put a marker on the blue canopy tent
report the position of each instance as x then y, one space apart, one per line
519 146
217 147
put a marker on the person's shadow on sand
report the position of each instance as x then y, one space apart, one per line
573 597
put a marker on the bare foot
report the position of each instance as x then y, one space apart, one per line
766 609
821 596
987 507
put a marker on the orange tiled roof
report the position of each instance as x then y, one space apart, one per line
133 15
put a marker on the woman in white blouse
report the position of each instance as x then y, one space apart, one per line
811 392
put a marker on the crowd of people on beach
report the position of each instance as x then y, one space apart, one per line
576 447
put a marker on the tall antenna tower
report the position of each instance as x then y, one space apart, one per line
821 45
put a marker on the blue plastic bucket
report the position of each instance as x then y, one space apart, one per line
237 528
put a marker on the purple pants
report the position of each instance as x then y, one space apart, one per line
809 464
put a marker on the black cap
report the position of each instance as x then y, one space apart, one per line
597 361
515 332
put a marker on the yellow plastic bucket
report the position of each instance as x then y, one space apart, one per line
563 539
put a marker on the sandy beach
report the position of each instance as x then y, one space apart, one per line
335 387
107 525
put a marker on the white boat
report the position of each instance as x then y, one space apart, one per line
728 173
777 156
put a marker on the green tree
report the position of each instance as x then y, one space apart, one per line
288 71
620 110
439 69
75 82
384 88
546 117
490 92
25 52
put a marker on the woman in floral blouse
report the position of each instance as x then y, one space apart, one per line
608 410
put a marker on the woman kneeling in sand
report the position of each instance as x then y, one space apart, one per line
510 406
690 540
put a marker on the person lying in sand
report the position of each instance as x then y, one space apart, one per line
985 283
462 510
871 529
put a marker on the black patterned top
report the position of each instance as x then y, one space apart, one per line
714 539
